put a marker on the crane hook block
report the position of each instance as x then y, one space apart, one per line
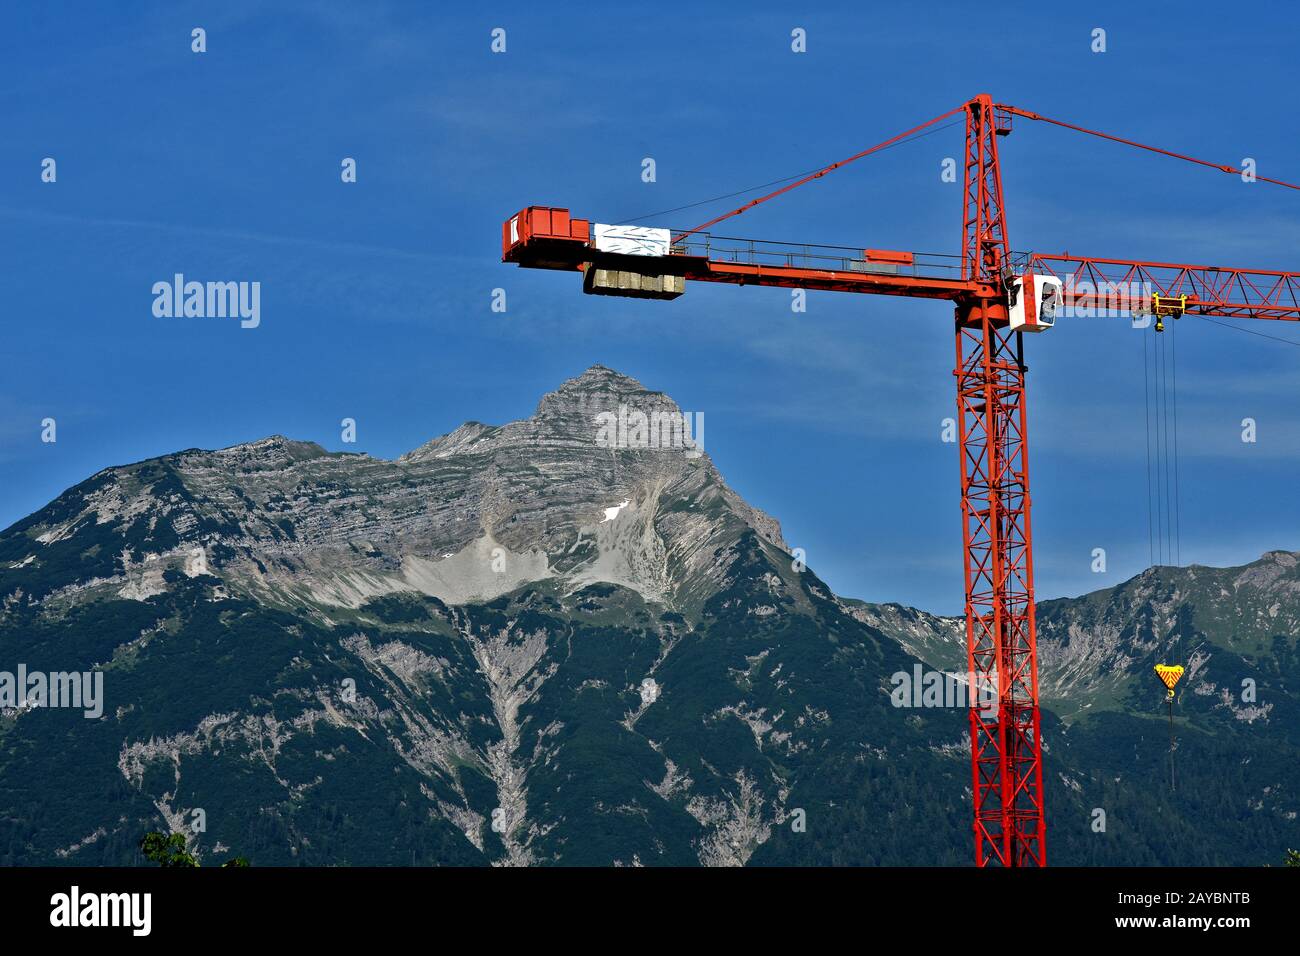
1034 300
1169 676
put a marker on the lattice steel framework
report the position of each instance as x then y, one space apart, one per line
1006 746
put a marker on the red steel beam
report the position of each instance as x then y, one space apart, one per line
1006 755
1001 635
1093 285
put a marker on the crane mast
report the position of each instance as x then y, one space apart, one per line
997 551
998 296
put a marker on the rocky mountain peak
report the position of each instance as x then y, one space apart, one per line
599 395
600 378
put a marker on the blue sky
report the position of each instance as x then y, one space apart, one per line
376 295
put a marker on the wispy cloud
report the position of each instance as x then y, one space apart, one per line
231 235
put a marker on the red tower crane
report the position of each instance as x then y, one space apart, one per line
998 297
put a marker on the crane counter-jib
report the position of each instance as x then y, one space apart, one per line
544 237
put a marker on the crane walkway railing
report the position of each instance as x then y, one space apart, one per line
762 252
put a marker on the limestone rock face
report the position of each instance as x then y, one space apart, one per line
468 516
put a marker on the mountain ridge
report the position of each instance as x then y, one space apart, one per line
280 496
515 645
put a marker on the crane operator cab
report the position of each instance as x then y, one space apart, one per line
1033 301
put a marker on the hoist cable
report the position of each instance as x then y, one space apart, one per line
892 141
774 182
1169 524
1222 167
1238 328
1178 517
1146 399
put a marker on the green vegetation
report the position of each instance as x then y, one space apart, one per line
167 851
171 851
